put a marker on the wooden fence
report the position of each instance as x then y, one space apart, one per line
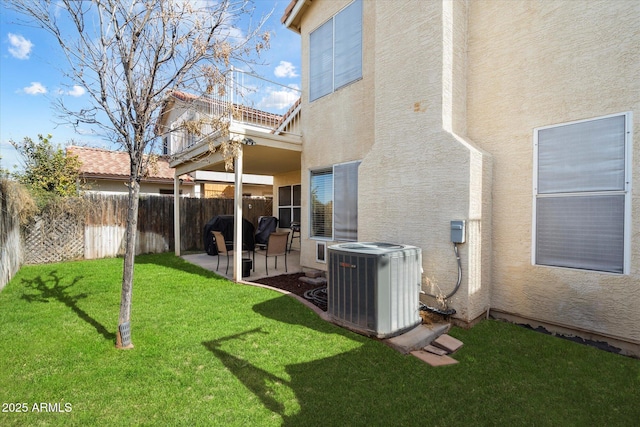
10 244
101 232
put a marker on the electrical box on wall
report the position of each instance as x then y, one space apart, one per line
458 231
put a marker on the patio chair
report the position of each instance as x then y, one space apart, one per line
221 245
295 234
276 246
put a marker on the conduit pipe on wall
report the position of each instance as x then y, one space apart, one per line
445 310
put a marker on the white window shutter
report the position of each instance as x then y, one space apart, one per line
586 156
348 44
321 61
345 196
585 232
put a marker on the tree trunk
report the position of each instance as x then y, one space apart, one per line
123 341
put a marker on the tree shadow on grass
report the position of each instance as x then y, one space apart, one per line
356 387
284 309
258 381
51 288
170 260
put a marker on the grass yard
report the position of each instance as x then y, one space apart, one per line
211 352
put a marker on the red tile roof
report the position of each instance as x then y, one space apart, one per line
107 164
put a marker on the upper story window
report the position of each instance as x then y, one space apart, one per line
335 52
582 194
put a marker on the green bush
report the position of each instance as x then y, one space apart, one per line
49 173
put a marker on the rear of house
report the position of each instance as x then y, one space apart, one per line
517 117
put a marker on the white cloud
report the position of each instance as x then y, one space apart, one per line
36 88
76 91
20 47
278 99
285 69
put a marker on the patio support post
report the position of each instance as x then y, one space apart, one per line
237 219
176 213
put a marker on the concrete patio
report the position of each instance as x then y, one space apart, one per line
210 262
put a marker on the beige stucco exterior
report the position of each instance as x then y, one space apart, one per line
416 174
539 63
443 122
338 127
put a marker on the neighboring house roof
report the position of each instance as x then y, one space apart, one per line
106 164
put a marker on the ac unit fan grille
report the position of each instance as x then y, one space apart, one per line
374 293
352 295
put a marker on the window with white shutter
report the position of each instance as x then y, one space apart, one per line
335 52
334 202
582 188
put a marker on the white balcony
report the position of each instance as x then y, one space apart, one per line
244 102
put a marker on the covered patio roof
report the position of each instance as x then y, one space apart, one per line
261 153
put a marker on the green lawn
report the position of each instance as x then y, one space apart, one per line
211 352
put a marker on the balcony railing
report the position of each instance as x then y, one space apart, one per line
243 98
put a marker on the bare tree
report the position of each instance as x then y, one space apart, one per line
127 55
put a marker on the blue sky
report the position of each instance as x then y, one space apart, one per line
31 79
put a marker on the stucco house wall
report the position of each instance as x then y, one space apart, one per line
338 127
422 172
443 122
417 173
538 63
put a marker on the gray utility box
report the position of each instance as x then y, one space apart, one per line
374 288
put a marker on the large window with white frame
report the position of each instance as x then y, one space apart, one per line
582 194
334 202
335 52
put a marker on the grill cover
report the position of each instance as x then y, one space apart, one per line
224 224
266 226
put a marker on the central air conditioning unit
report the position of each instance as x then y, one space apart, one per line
374 288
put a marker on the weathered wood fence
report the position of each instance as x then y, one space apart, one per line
101 231
10 243
104 230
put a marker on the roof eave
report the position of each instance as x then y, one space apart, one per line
125 178
293 15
